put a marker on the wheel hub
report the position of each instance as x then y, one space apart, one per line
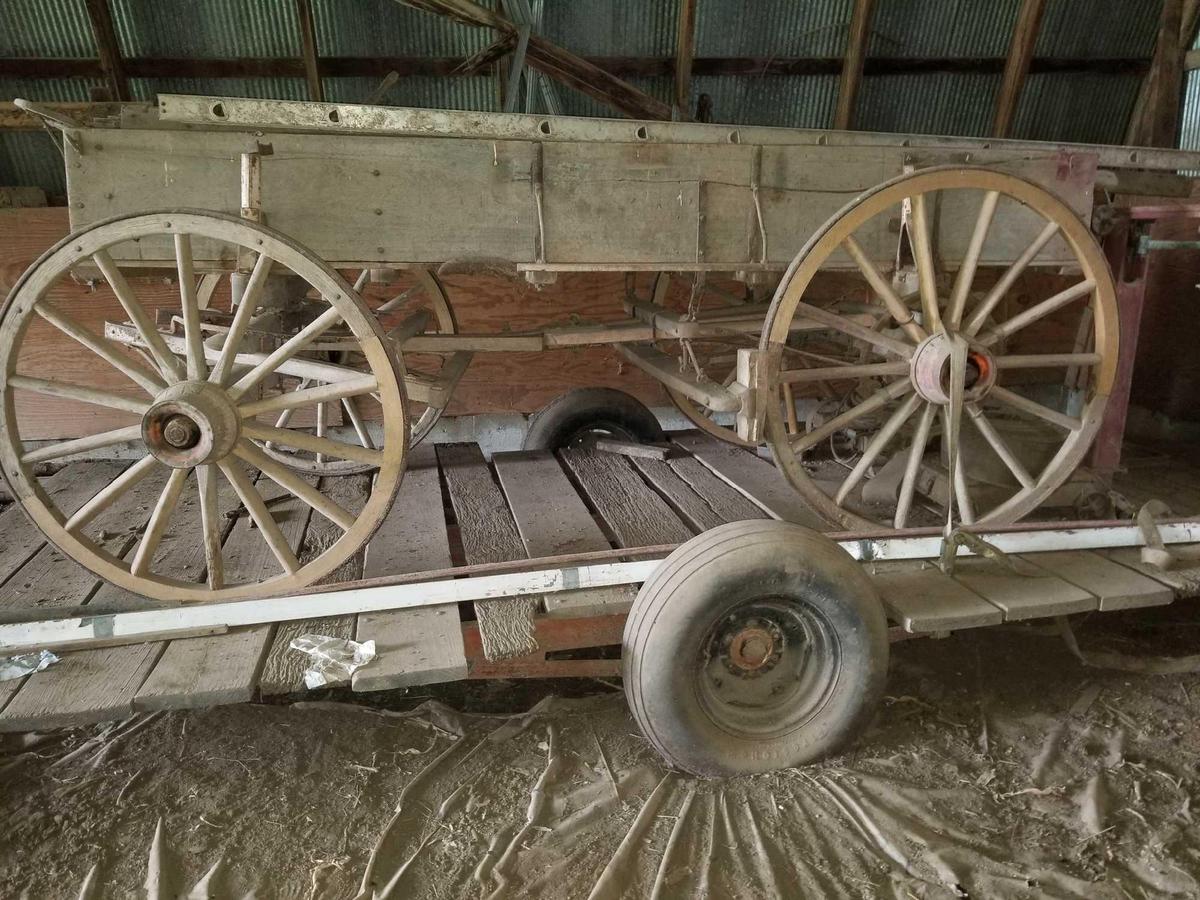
190 424
930 370
751 647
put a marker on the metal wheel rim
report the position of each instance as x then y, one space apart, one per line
888 195
19 310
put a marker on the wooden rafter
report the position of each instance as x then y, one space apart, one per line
108 49
547 57
684 54
852 63
308 48
1155 118
1020 52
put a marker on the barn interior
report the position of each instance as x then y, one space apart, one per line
625 316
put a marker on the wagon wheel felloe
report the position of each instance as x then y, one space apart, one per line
958 400
422 308
189 408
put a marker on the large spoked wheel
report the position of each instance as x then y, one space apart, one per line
754 646
1026 357
190 408
422 308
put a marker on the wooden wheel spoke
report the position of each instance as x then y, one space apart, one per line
851 372
322 426
985 427
80 445
916 453
159 519
878 400
853 329
966 272
1037 311
880 441
290 437
210 525
93 396
1008 279
290 481
261 516
356 419
241 320
398 301
288 402
1048 360
958 474
150 381
285 351
897 307
922 246
193 337
168 362
111 492
1035 409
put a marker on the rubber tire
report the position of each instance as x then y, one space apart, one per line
694 588
621 414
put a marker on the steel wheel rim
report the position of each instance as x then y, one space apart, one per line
887 196
19 312
768 667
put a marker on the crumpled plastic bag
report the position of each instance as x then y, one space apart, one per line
332 660
26 664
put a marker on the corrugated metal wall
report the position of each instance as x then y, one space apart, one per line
1058 106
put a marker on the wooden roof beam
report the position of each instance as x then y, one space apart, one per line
1020 52
108 49
308 48
852 63
547 57
685 53
1155 118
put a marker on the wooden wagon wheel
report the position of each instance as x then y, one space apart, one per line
951 353
192 404
422 308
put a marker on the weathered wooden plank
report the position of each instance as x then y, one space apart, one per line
84 687
634 513
1027 593
70 487
923 598
8 690
488 534
727 501
420 646
283 670
753 476
1183 580
224 668
688 505
1116 586
552 519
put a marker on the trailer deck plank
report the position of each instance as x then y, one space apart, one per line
83 687
488 534
283 669
634 513
413 646
753 476
1183 580
553 519
686 503
1028 592
1116 586
225 667
730 504
926 599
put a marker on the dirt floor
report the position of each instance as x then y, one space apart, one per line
999 766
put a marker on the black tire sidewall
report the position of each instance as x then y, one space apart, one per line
688 595
553 426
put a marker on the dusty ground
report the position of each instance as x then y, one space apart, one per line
999 767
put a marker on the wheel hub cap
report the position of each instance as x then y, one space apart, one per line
190 424
930 370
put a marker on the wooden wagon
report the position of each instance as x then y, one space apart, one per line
922 330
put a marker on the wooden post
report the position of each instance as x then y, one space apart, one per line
1155 118
852 63
1020 52
308 46
684 54
108 49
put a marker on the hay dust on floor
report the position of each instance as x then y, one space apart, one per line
998 767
